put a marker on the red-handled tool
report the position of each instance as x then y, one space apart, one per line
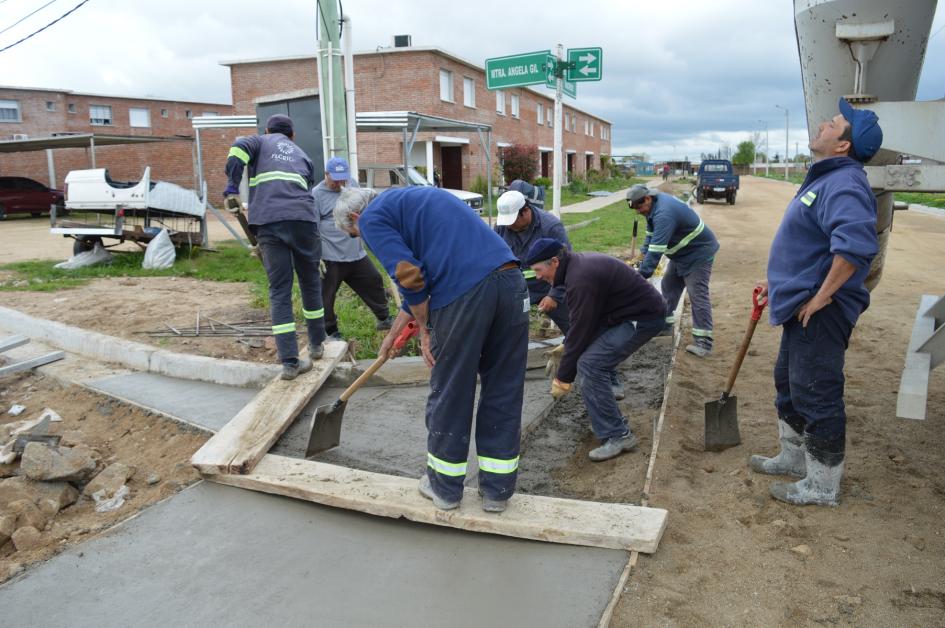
721 417
326 424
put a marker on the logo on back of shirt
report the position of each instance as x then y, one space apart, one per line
286 148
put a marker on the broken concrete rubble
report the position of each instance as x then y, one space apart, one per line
26 538
112 478
7 527
42 462
27 514
62 493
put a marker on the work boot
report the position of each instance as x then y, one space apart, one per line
316 352
292 368
699 348
493 505
789 461
426 489
613 447
821 487
385 324
616 386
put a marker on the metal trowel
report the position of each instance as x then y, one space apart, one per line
326 424
721 417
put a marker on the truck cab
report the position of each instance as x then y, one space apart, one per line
717 179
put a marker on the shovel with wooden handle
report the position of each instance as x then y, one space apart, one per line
721 417
326 424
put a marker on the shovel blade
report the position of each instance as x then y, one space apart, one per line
721 424
326 428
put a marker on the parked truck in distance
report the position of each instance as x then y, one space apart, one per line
717 179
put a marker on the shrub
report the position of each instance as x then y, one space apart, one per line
479 185
519 161
543 181
595 176
577 187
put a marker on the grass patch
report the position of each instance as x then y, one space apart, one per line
929 199
793 177
611 232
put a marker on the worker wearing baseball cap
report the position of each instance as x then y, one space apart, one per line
817 269
344 257
282 215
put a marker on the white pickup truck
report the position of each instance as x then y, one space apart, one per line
381 177
98 207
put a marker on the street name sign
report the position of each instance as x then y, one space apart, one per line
516 70
584 64
568 88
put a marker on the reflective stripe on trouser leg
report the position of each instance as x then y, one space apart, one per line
494 465
451 469
697 284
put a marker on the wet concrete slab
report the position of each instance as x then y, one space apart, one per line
204 404
214 556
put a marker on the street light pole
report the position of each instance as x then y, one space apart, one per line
767 148
786 140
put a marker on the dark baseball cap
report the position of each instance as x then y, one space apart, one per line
279 123
866 134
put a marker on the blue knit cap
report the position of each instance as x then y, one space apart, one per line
279 123
543 249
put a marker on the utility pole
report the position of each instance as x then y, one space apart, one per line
787 145
331 92
767 148
556 180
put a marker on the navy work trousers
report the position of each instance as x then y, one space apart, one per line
808 378
287 247
697 283
599 360
484 333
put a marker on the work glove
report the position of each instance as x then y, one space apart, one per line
322 268
636 260
232 203
554 359
559 389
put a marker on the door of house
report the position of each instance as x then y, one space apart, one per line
546 165
306 125
451 159
570 166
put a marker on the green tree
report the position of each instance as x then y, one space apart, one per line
745 154
519 161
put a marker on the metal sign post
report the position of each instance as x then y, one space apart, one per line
556 181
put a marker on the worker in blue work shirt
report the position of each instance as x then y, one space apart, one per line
817 269
521 224
282 216
673 229
463 286
614 312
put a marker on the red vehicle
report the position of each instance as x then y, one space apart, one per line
19 195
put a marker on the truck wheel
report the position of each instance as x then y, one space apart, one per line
85 243
700 196
731 198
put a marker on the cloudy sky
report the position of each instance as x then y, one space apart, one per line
681 77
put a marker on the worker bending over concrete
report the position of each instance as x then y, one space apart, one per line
614 312
343 256
674 230
465 289
817 269
282 216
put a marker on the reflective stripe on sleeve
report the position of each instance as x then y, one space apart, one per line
446 468
656 248
285 328
670 320
239 153
529 274
689 238
808 198
312 314
496 465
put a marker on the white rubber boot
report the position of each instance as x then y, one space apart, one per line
821 487
790 460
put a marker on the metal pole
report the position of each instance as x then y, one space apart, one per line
331 102
767 152
349 98
51 165
787 148
199 159
92 147
556 181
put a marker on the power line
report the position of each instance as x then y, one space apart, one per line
34 33
936 32
28 16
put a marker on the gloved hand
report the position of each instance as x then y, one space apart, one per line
554 359
636 260
232 203
559 389
322 269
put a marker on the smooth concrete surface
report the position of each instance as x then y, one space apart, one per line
204 404
219 556
384 429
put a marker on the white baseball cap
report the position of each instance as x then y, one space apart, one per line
510 203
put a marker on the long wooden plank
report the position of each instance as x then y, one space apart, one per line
31 363
12 342
242 442
569 521
913 393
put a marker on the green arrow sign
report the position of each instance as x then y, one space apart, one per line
584 64
568 88
516 70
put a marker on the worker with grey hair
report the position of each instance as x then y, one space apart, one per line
282 216
464 287
344 257
673 229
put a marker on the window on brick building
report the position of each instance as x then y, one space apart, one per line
567 121
515 111
586 127
592 129
50 105
100 114
71 107
163 113
446 85
139 117
540 111
500 102
469 92
189 114
549 116
10 111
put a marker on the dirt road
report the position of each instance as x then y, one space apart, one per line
732 556
26 238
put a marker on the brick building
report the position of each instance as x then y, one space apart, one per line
27 113
434 82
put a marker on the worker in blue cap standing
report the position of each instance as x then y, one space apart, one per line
817 269
614 312
282 216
